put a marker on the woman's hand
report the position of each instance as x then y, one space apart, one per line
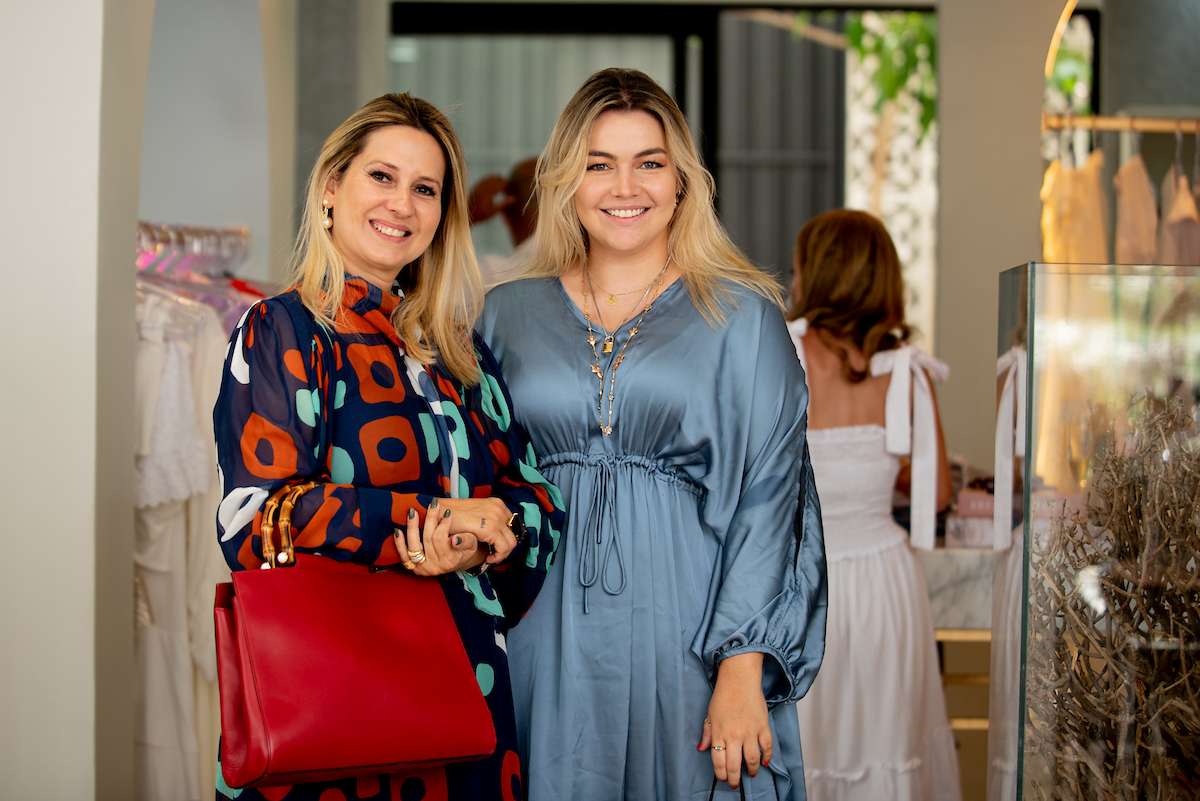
436 550
737 728
484 518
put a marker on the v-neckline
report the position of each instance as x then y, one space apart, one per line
671 289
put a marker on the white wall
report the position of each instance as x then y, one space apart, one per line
72 101
205 147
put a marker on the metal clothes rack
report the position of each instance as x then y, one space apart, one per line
160 245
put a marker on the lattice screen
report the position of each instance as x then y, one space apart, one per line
899 185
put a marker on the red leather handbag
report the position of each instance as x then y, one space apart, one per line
328 670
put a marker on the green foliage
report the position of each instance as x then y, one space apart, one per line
902 55
1072 77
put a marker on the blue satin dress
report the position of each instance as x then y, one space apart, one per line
693 534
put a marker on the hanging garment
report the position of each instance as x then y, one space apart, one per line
683 542
1137 213
1089 210
167 474
1074 213
166 755
1179 235
874 724
205 564
1055 197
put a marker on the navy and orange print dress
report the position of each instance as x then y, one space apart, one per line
383 434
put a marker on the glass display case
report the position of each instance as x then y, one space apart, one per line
1097 605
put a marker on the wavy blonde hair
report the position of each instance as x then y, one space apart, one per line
697 245
849 285
443 289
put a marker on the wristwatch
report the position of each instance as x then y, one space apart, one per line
517 523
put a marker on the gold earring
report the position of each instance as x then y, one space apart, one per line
328 219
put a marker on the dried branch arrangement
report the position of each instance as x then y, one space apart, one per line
1112 693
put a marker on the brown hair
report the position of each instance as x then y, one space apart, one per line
698 246
849 286
443 290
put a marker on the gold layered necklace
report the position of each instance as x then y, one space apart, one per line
608 342
612 296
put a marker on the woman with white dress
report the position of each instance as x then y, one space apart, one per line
874 723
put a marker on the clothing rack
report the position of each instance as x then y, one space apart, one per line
160 245
1067 122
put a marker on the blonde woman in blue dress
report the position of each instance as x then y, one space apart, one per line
651 364
874 724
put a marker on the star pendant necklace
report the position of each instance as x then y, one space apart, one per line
611 297
609 341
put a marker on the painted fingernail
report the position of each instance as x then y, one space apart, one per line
446 513
767 762
412 514
433 504
457 540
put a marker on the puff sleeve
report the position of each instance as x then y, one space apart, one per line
769 588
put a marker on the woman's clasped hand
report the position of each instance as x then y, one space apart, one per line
451 540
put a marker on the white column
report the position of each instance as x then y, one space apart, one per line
72 100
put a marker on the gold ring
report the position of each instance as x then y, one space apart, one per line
718 748
511 518
409 565
707 722
417 556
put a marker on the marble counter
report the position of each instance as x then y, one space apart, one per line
960 586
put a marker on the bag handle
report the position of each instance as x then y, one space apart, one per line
280 504
712 792
288 556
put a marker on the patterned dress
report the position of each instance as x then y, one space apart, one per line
384 435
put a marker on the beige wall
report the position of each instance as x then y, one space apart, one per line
991 60
279 66
70 160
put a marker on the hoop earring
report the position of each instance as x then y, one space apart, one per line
327 220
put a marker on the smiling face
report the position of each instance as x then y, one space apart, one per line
627 197
387 204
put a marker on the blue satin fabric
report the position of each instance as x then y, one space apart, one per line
693 533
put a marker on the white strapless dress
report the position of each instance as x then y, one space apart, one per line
874 726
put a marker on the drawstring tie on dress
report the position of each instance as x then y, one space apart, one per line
596 555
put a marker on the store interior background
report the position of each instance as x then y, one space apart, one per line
210 113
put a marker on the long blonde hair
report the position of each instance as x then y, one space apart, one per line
444 295
697 245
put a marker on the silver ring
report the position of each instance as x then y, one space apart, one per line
417 557
718 748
